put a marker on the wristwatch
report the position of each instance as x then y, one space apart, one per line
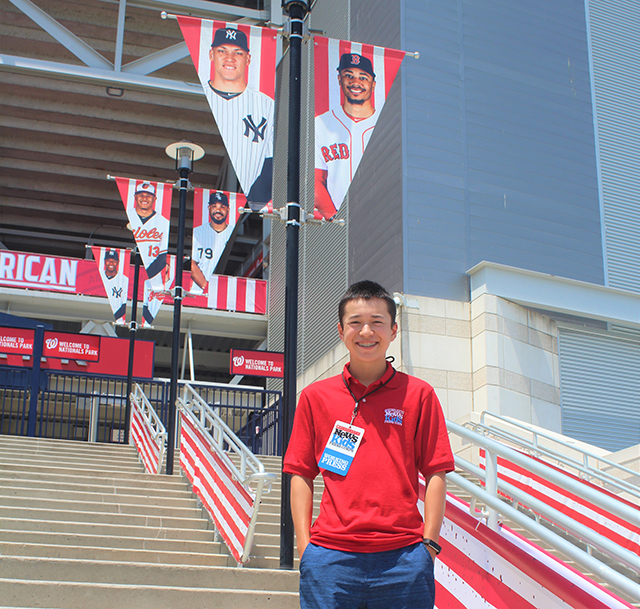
436 547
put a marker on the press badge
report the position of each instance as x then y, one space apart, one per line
341 448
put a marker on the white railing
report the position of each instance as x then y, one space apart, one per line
587 465
494 486
229 488
147 432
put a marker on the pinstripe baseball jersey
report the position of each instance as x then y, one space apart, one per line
116 289
246 125
340 144
207 248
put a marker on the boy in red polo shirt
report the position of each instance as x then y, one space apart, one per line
368 431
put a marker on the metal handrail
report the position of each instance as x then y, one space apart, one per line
585 560
579 531
222 439
158 432
534 445
497 506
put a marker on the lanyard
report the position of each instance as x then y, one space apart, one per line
366 395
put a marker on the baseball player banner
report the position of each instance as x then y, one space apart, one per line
113 266
352 81
148 207
153 298
215 214
236 65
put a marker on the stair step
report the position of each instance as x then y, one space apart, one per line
27 593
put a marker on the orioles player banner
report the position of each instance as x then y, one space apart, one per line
153 298
215 214
352 81
236 65
113 266
148 207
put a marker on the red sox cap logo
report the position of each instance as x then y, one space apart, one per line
355 59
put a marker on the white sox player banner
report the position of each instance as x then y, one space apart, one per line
352 81
148 206
236 65
153 298
113 266
215 214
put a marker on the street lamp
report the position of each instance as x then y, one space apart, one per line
184 153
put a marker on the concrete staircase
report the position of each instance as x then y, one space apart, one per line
82 526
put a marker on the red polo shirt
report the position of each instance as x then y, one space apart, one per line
374 507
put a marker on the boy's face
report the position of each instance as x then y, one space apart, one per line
366 329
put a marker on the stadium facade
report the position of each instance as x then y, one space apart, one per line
498 197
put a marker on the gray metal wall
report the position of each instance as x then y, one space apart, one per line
615 30
498 142
599 375
375 199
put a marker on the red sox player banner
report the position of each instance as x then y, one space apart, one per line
215 214
352 81
236 65
148 206
113 266
153 298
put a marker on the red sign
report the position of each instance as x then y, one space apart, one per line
84 347
257 363
16 341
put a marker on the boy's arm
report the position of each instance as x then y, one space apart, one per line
301 509
434 504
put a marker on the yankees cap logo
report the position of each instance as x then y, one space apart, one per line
251 127
231 34
355 59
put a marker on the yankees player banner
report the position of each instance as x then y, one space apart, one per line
153 298
236 65
113 266
148 207
215 214
352 81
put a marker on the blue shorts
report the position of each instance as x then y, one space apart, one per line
397 579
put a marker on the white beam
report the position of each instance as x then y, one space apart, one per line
155 61
205 9
97 76
558 294
78 47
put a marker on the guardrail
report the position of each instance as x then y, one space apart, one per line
223 484
147 433
490 496
537 448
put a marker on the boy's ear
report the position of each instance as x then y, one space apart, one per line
394 331
340 331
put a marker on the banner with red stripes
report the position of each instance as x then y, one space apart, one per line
236 65
229 504
609 525
142 438
479 567
237 294
113 267
148 207
215 214
352 82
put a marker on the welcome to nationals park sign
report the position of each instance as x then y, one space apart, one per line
77 276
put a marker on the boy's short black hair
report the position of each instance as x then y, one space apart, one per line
366 290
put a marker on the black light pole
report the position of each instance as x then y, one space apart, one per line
184 153
297 10
133 328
